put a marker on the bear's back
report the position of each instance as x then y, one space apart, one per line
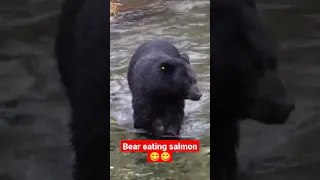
155 47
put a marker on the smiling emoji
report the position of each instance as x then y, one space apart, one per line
154 156
165 156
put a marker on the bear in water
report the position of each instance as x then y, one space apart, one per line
244 81
160 79
83 62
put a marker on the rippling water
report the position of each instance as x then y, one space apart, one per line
186 25
34 112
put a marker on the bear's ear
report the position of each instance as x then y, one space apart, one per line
185 57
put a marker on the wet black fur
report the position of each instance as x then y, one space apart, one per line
239 53
82 51
158 96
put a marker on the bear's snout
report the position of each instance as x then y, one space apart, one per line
194 93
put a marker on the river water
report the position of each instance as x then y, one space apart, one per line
34 111
185 24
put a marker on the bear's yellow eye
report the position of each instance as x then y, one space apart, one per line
163 67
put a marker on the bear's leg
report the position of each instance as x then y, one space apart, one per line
224 145
174 116
142 118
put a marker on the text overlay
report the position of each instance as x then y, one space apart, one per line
160 145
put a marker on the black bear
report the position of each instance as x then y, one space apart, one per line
83 61
160 79
244 81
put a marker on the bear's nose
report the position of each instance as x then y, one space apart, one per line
195 96
194 93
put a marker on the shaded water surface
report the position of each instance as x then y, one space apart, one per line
34 111
290 152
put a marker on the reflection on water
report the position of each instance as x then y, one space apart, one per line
34 112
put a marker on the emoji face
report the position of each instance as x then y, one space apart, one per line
165 156
154 156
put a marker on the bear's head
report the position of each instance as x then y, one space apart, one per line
245 82
172 78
